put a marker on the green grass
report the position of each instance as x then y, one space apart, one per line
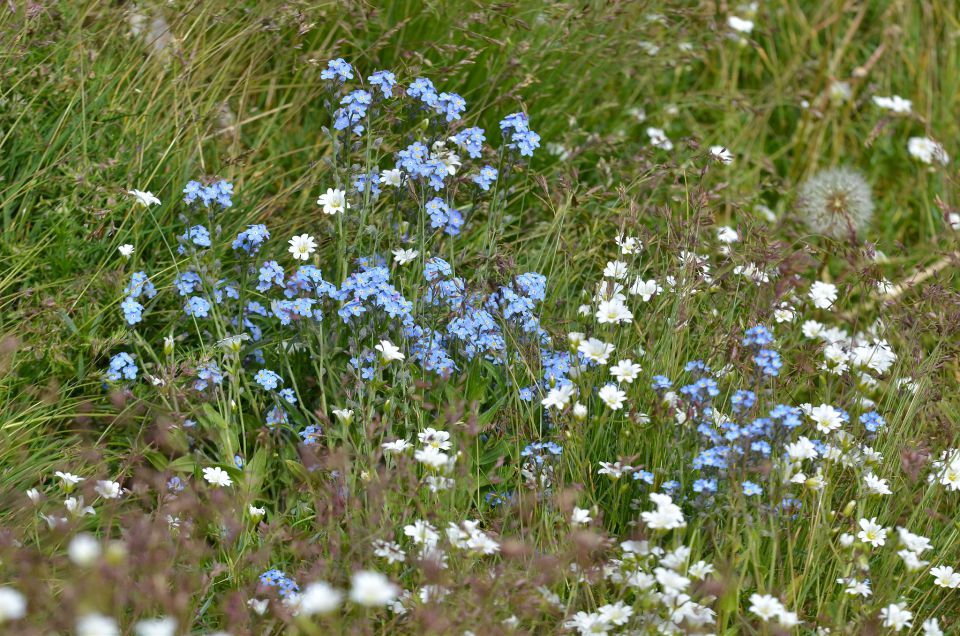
232 89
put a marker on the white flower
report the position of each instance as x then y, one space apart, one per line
823 294
784 313
645 289
319 598
126 250
945 576
431 457
875 485
164 626
13 605
871 532
255 512
402 256
765 606
432 437
931 627
628 244
390 551
259 606
579 411
894 103
911 560
721 154
802 449
392 177
372 589
334 201
301 247
389 351
75 507
396 446
344 415
613 312
612 396
595 350
739 24
146 199
580 516
616 470
69 479
855 587
896 616
84 549
726 234
589 624
672 582
913 542
827 418
926 150
700 569
559 397
217 476
422 533
108 489
812 329
618 613
659 139
616 270
97 625
625 371
667 516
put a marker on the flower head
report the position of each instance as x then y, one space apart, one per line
836 202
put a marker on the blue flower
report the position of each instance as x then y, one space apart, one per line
872 421
197 307
338 70
219 192
270 274
276 417
444 217
485 178
769 362
188 282
705 485
385 81
284 584
311 435
661 383
207 373
251 239
471 140
198 235
423 89
541 451
140 285
750 489
132 310
643 475
451 105
517 126
354 109
175 485
122 367
758 336
288 395
267 379
743 401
